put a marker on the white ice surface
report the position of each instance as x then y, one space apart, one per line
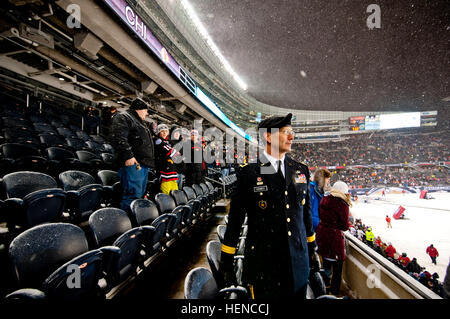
426 222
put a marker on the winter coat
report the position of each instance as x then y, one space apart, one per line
165 156
432 251
333 213
414 267
316 196
130 138
390 251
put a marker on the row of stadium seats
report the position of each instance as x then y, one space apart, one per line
114 246
203 283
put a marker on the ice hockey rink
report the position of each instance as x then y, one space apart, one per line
425 222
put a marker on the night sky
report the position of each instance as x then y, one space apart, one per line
321 55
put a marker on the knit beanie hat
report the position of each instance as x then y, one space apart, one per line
341 187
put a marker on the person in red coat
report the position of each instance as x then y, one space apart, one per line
388 221
433 253
390 250
404 259
333 214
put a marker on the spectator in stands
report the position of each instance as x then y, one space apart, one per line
176 140
433 253
414 267
194 165
333 212
91 120
165 155
390 251
369 237
317 186
133 143
404 260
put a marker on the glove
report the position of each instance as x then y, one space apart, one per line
226 270
314 259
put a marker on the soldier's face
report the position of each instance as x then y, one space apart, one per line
281 140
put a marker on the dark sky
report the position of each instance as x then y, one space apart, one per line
320 55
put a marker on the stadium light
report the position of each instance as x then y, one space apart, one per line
198 24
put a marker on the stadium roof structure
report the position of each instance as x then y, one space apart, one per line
331 55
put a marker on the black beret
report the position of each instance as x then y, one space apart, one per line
276 121
138 104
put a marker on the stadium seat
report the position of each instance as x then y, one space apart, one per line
213 251
166 205
84 194
200 284
208 193
76 144
60 160
26 295
97 269
107 224
181 200
111 186
83 135
44 128
39 251
221 229
213 189
199 206
21 157
49 140
203 198
143 212
65 132
92 162
112 226
32 198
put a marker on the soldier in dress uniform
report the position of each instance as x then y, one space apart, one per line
280 245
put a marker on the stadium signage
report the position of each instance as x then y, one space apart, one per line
135 22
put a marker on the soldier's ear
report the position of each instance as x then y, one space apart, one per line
267 137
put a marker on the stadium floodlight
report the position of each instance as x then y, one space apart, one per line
198 24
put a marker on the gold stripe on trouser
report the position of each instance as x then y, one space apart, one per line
311 238
252 295
228 249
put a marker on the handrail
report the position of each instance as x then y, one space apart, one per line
396 283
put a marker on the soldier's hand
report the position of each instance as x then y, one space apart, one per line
314 259
226 270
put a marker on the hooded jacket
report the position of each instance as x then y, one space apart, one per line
333 213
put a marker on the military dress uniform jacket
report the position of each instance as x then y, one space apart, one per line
276 260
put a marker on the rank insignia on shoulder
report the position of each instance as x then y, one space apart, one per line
300 179
262 204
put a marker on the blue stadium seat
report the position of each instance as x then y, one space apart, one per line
84 194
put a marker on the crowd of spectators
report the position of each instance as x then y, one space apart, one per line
387 250
380 148
394 176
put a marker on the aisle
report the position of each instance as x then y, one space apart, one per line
166 279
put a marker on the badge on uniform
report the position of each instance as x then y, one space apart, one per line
300 179
260 189
262 204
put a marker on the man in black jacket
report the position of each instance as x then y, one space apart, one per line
280 245
132 140
194 165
